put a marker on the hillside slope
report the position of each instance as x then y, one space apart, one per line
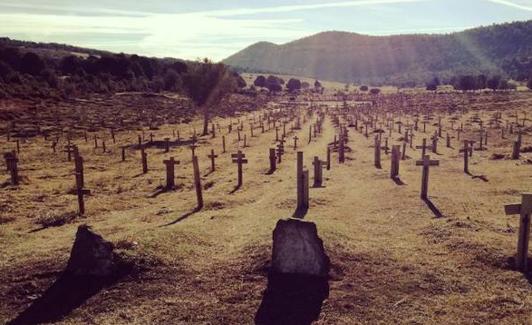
348 57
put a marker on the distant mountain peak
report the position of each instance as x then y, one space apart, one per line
352 57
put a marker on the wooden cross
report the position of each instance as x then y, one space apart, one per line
302 184
318 171
273 160
170 174
197 182
377 153
144 159
516 151
11 163
213 157
80 191
394 170
280 150
166 144
69 149
466 149
524 210
193 147
426 163
434 146
239 159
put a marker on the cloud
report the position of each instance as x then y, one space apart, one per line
316 6
513 4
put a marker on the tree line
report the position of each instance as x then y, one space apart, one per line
25 73
476 82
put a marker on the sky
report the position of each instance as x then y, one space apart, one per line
216 29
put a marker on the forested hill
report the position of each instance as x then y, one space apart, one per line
348 57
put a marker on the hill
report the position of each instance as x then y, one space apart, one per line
349 57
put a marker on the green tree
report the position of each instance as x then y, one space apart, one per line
260 81
207 83
293 85
493 82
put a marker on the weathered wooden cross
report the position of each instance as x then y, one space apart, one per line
273 160
318 171
395 158
377 153
11 163
524 210
212 156
239 159
170 172
144 160
302 184
80 190
426 163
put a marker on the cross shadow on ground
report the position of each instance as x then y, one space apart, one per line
183 217
433 208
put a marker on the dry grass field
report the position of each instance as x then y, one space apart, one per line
394 258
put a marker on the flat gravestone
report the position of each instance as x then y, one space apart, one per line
297 249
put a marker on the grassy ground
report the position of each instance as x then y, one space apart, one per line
392 260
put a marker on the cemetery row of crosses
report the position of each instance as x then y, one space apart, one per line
375 174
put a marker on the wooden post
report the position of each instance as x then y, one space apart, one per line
318 171
166 144
170 172
394 170
295 142
280 150
239 159
341 150
426 163
123 153
273 160
328 158
144 159
197 182
302 180
377 154
80 191
516 152
434 146
223 144
465 150
212 156
11 163
524 210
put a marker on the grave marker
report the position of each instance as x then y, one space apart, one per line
524 210
426 163
212 156
239 159
170 172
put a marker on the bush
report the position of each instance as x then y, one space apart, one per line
375 91
363 88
